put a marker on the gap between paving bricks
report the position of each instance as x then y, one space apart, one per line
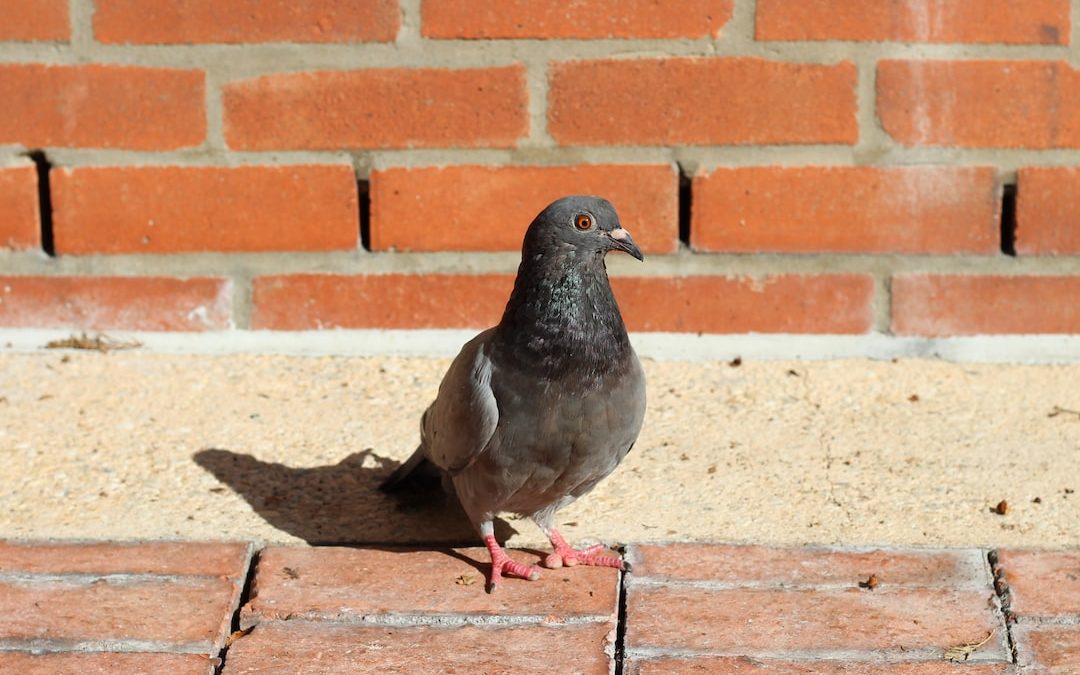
1001 589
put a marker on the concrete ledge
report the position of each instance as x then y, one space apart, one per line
659 346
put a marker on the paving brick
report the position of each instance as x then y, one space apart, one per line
105 663
980 104
171 209
293 647
345 584
163 557
102 106
1048 649
128 303
244 21
20 224
488 208
809 566
749 621
32 20
574 18
1048 211
978 21
315 301
381 108
847 209
1042 583
193 612
826 303
746 665
701 101
935 305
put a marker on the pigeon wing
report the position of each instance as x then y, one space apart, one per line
458 426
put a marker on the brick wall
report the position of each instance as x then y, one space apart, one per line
794 166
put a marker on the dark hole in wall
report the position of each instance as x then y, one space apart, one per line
41 162
364 191
1008 220
686 195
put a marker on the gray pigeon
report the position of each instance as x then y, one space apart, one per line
534 412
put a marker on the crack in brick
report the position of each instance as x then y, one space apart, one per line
621 618
1004 596
241 600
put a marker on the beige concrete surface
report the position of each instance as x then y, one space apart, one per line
138 445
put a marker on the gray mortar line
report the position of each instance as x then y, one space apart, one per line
536 86
1005 161
433 620
248 60
680 264
881 304
54 646
76 579
80 13
886 587
854 656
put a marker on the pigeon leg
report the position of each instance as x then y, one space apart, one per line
565 555
502 564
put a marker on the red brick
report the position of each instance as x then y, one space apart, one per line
827 303
980 104
1048 648
385 108
102 106
936 305
162 557
770 621
809 566
340 584
1048 211
701 101
574 18
129 303
105 663
310 301
452 208
294 647
1042 583
745 665
847 209
837 303
181 209
243 21
980 21
32 20
195 612
20 225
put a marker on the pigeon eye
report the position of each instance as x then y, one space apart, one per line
582 221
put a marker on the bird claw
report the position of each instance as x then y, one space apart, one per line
565 556
502 564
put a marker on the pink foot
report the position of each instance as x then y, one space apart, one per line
566 556
501 565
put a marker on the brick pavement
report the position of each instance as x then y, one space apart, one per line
186 607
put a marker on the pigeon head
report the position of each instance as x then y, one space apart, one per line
582 225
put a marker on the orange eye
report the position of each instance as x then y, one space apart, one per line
582 221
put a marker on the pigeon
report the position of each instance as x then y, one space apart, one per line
537 410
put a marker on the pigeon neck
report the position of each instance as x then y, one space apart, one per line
562 317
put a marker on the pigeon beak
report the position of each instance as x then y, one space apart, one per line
622 240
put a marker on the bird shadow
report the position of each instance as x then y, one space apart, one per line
340 504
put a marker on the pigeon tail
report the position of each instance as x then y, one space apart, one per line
416 466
